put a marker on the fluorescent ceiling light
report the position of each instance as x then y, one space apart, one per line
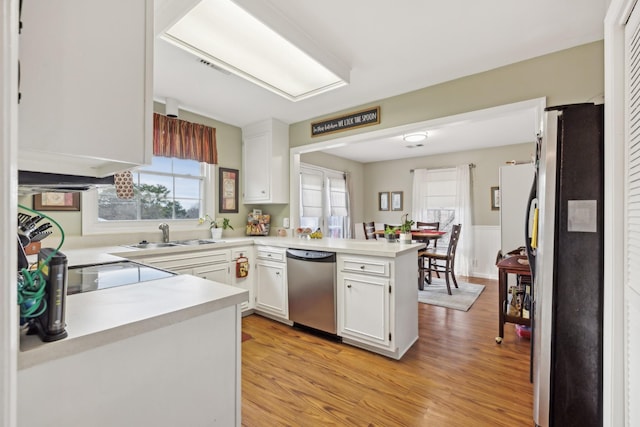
415 137
225 34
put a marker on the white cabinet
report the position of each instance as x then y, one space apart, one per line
271 282
215 272
86 85
265 162
246 282
363 301
210 265
377 302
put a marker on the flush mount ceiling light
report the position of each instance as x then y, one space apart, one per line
225 34
415 137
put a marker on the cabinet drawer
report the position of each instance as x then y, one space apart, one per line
378 267
271 254
190 259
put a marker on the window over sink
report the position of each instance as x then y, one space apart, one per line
171 190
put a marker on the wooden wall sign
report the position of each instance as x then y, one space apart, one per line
358 119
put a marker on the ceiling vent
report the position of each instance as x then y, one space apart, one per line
214 66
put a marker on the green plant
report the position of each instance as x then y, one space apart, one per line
405 227
215 222
390 230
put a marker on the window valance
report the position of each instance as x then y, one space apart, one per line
185 140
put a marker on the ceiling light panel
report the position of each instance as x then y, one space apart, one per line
222 32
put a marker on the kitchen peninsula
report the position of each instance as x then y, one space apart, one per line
376 295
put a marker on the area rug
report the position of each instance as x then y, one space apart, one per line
462 298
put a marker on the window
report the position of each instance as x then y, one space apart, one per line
437 199
170 190
324 201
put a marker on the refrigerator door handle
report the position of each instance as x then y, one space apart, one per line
532 205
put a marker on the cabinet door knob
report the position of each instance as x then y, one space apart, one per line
348 286
362 267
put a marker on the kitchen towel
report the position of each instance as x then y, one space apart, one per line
123 182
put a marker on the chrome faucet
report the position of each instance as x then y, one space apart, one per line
165 232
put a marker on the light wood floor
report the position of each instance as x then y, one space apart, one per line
455 375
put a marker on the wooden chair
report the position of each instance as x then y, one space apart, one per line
435 226
441 262
369 230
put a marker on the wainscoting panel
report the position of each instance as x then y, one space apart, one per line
486 242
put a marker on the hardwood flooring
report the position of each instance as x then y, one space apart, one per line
455 375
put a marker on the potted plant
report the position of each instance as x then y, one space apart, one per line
390 234
216 225
405 228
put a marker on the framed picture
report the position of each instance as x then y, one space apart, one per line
228 190
495 198
396 200
56 202
383 201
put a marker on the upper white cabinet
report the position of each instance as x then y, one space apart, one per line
86 85
265 162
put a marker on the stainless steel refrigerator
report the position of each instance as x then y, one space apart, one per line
566 255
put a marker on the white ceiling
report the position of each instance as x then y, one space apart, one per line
392 48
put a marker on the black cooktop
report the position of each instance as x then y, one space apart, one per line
101 276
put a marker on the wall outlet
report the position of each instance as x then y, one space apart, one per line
285 222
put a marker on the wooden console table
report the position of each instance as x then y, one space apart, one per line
507 266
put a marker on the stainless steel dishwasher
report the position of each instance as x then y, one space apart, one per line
312 289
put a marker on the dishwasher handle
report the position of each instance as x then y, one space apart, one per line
311 256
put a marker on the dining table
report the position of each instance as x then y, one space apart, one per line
424 235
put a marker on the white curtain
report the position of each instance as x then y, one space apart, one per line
464 252
349 227
311 197
419 196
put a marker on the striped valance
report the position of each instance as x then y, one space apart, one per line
184 140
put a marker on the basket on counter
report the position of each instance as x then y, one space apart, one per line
258 224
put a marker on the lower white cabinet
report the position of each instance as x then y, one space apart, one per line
365 308
210 265
216 272
271 282
218 266
377 302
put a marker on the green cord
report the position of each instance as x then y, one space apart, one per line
34 287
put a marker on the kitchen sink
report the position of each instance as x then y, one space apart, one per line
193 242
155 245
152 245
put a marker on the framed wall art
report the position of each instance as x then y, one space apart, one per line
396 200
495 198
383 201
228 190
56 202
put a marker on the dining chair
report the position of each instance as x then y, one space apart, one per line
441 262
369 230
434 226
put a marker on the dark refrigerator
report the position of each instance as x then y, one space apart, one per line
566 254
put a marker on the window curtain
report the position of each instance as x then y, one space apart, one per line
185 140
349 226
311 197
464 252
438 191
419 196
